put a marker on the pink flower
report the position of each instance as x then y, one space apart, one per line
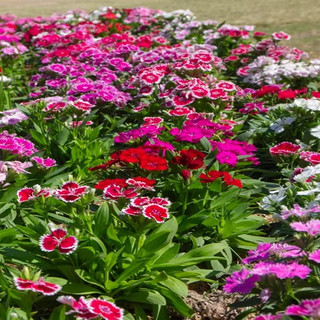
269 317
46 288
57 239
114 192
105 309
93 308
45 162
309 308
297 211
312 227
70 192
80 307
281 36
284 149
240 281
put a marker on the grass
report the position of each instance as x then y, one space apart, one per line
297 17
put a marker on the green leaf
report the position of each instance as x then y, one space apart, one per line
59 313
145 296
7 235
175 285
101 220
159 238
177 302
134 268
79 289
87 277
194 256
63 136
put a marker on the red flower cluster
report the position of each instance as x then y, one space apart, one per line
190 158
214 175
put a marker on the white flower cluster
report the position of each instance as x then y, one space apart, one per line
266 70
278 125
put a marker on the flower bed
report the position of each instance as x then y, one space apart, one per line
145 151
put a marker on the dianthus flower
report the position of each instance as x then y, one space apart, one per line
308 308
46 288
312 227
240 281
284 149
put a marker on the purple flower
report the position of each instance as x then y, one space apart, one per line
299 212
312 227
269 317
309 308
240 282
261 253
12 117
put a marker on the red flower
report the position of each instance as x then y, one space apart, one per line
156 212
57 239
27 194
153 163
114 192
316 94
284 148
190 158
231 181
46 288
107 182
182 100
133 155
212 176
142 183
287 94
70 192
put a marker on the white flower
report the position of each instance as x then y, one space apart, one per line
278 126
315 131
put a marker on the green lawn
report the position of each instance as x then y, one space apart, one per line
297 17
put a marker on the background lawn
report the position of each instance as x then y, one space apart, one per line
300 18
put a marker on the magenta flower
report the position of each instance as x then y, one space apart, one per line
227 157
261 253
312 227
240 281
80 307
299 212
281 270
269 317
308 308
46 288
284 149
58 239
315 256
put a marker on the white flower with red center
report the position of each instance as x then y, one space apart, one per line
46 288
27 194
58 239
45 162
79 307
70 192
56 106
114 192
141 183
226 86
156 212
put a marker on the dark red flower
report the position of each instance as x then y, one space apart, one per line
153 163
190 158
